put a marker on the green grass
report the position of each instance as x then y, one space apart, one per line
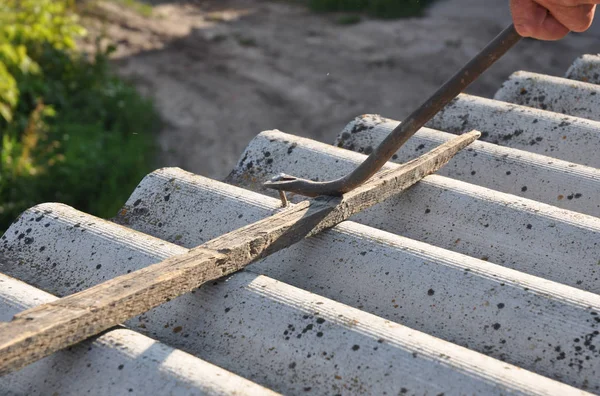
137 6
349 19
71 130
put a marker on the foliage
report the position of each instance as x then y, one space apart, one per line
137 6
377 8
348 19
70 130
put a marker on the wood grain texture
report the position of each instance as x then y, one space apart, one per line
40 331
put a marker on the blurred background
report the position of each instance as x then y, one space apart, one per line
96 94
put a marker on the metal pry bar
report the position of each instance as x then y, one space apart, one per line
447 92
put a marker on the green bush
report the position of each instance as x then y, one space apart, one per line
71 130
377 8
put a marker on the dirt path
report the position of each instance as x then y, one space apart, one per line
222 71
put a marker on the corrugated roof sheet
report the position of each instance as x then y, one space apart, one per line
482 278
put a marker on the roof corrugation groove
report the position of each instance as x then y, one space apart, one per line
496 255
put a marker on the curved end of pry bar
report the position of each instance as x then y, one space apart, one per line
305 187
430 162
399 136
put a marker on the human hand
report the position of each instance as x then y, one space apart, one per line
552 19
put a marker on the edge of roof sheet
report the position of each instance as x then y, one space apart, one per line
133 362
557 94
586 68
537 131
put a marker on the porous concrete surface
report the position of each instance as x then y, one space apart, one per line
501 228
118 362
522 173
585 68
290 339
556 135
557 94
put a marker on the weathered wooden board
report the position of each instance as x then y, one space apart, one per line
40 331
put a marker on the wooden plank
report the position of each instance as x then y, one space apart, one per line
40 331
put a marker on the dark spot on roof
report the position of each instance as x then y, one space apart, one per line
355 347
121 367
529 226
99 266
500 306
136 203
28 241
167 197
496 326
320 320
430 292
292 365
358 128
291 148
320 334
524 188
